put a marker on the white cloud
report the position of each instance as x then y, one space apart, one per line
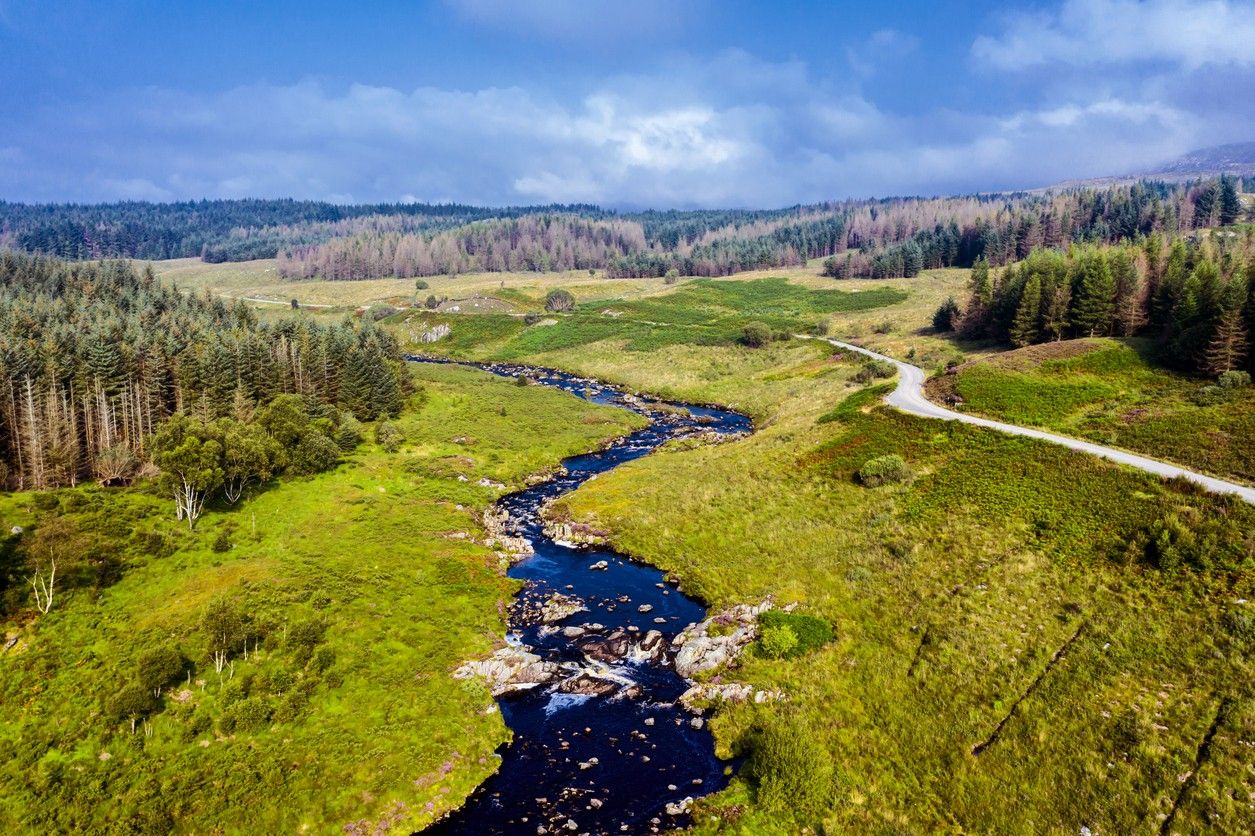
731 130
1087 33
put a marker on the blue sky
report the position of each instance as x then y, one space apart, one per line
649 103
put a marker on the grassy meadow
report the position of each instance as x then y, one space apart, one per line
359 590
1028 639
1111 392
1010 583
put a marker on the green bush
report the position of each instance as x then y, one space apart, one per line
157 667
559 300
884 470
389 436
778 642
791 770
421 284
314 453
303 637
222 543
1234 379
874 370
810 632
349 434
246 715
947 316
131 702
531 318
756 335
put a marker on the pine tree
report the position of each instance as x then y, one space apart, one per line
1228 347
1205 205
1093 296
1130 310
1230 205
1025 329
980 297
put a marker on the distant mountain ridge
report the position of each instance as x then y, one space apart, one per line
1234 158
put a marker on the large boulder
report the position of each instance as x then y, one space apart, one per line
718 640
511 669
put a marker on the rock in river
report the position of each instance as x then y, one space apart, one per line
717 640
509 670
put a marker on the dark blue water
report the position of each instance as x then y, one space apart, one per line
594 760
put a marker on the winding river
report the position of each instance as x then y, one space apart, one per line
615 753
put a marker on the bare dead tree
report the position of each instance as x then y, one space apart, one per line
44 586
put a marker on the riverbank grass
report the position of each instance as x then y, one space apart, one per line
347 599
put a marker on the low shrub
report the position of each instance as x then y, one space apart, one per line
756 335
884 470
791 770
777 642
530 318
349 434
875 370
1234 379
157 667
131 702
246 715
808 631
559 300
389 436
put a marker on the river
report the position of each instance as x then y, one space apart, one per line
611 761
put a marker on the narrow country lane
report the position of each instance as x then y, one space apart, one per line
909 397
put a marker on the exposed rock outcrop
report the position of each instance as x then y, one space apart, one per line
558 606
509 670
718 640
497 535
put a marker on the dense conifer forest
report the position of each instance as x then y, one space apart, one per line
96 356
1195 297
894 237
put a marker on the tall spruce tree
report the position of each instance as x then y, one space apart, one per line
1230 205
1026 328
1093 295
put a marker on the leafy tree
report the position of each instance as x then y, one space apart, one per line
314 453
190 456
250 455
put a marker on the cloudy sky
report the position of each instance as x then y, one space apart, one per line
627 104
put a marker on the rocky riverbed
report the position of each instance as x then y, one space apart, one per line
594 677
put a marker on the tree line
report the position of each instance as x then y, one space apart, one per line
1195 297
539 243
882 238
97 356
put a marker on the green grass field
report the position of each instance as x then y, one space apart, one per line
363 590
1108 391
1028 639
950 596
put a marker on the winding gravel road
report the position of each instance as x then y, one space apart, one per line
909 397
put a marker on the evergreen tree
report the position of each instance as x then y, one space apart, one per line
1026 329
1228 347
1093 295
1230 205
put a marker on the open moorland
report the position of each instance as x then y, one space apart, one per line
353 594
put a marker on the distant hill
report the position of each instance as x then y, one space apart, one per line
1237 158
